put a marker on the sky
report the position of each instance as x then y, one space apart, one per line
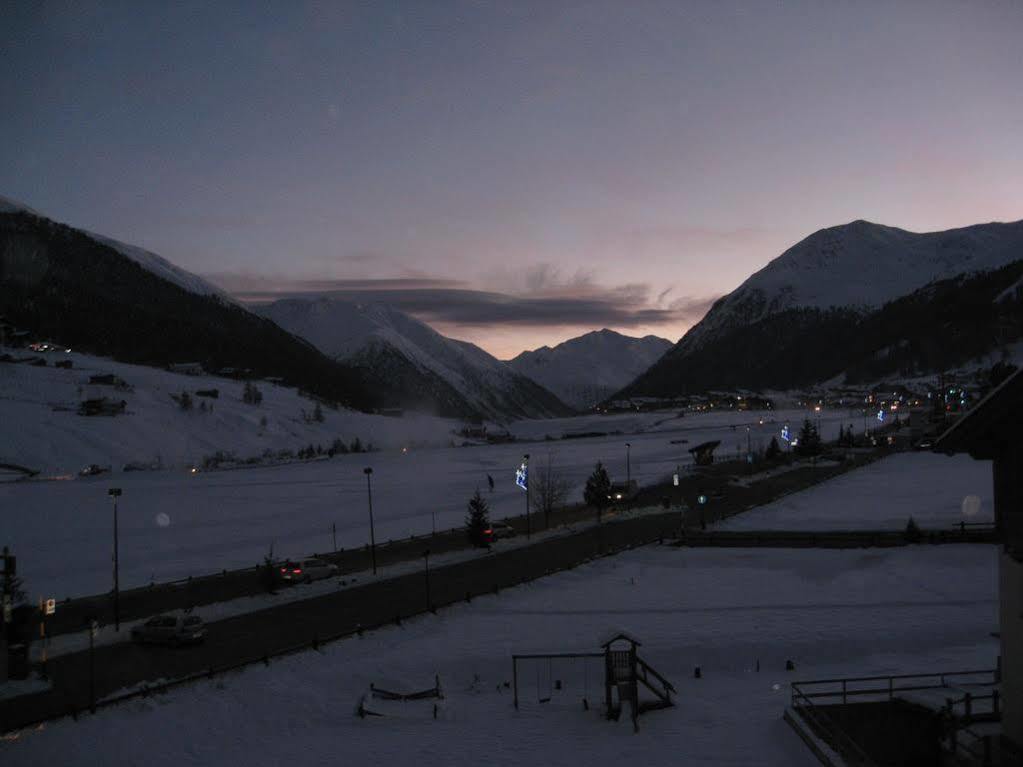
514 173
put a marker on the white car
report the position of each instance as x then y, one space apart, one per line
307 570
170 629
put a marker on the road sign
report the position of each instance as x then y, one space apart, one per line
51 606
702 499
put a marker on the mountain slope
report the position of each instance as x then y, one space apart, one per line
858 266
365 334
800 319
586 370
68 286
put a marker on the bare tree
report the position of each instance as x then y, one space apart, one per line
548 488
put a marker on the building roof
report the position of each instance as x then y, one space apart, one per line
614 635
990 425
705 446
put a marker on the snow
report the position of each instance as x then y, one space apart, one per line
834 613
882 496
229 519
43 430
163 268
7 205
341 329
158 265
860 265
586 370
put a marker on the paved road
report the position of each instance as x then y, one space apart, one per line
247 638
137 603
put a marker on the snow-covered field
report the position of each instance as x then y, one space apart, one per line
173 524
883 496
41 428
833 613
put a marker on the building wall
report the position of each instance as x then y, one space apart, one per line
1011 597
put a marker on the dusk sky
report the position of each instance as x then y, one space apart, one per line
513 173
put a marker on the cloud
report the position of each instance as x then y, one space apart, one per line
553 302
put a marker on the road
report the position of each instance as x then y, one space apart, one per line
248 638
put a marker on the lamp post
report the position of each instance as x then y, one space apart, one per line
628 464
372 535
749 449
426 558
525 462
115 493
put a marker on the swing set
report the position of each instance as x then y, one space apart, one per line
624 674
572 671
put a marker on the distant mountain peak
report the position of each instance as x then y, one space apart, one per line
356 331
585 370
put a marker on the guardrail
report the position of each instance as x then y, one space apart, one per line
806 697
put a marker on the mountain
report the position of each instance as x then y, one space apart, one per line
85 292
412 357
586 370
147 260
813 312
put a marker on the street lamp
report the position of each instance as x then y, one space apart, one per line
372 536
628 464
115 493
429 602
525 463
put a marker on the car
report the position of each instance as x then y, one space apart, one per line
498 530
924 444
307 570
170 629
93 469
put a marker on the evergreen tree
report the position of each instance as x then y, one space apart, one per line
809 439
598 488
773 449
478 520
318 413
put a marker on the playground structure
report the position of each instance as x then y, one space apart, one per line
703 454
624 672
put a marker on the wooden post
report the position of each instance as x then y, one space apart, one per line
608 675
633 688
515 681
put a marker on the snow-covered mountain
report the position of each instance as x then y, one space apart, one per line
366 334
156 264
843 296
96 295
859 266
586 370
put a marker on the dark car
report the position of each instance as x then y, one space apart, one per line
498 530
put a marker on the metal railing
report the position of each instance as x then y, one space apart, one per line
807 697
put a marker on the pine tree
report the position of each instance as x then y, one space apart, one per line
478 520
318 413
598 488
773 449
809 439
